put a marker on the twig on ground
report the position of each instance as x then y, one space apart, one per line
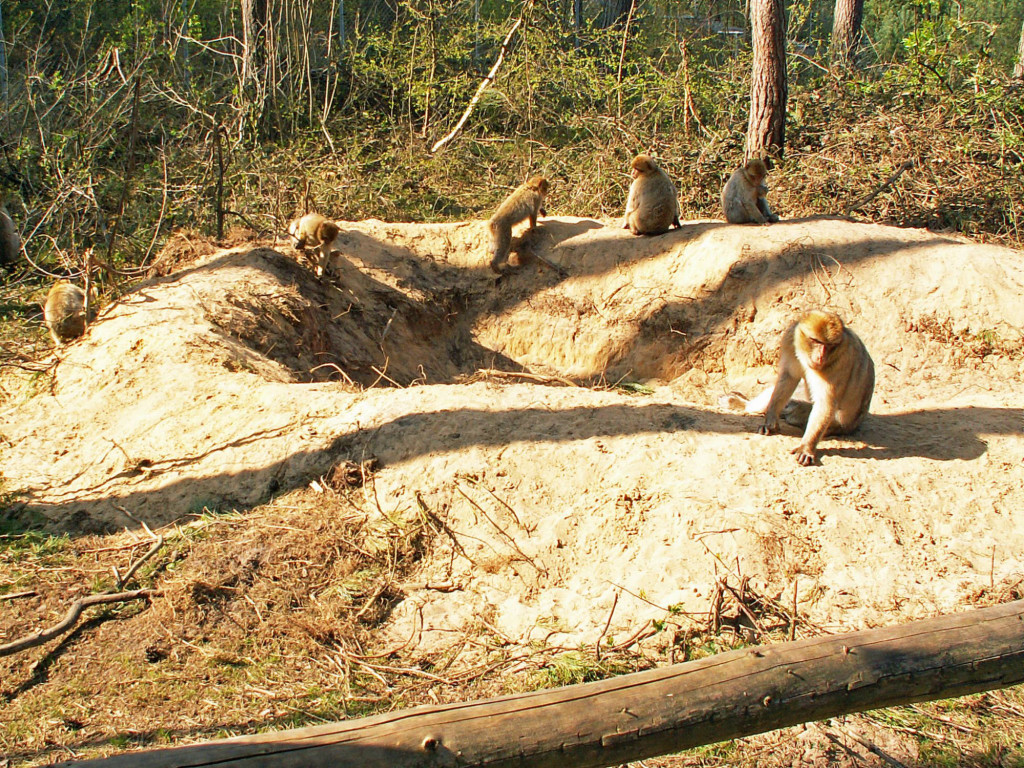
496 374
597 645
71 618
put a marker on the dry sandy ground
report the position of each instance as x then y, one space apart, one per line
224 383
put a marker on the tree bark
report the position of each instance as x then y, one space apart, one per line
846 31
637 716
614 13
1018 69
766 131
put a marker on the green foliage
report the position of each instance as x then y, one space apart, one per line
356 127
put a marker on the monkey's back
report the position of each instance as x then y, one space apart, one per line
732 203
64 311
514 209
855 398
657 204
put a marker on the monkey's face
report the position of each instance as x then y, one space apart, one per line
818 335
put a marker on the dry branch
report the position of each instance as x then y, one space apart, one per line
486 81
907 164
633 717
70 619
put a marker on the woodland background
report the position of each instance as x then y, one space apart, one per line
125 120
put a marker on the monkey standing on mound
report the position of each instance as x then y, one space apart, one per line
525 202
744 198
315 231
838 371
652 206
64 312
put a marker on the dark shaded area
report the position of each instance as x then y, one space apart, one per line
943 434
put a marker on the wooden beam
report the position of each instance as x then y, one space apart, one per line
632 717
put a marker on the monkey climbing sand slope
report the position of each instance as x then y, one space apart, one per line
242 376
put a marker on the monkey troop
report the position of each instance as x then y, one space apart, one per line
315 231
839 373
743 196
652 206
524 203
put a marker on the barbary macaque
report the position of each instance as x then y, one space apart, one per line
525 202
744 196
64 312
315 231
10 240
652 206
838 371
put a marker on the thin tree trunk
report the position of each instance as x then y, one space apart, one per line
1018 69
577 21
846 31
341 26
766 131
3 64
615 13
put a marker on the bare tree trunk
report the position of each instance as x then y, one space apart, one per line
252 92
615 13
3 64
766 131
846 31
341 26
1018 69
577 21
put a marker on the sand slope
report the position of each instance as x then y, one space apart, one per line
242 376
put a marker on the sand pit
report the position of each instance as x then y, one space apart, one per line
241 376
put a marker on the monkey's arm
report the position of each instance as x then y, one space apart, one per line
753 212
817 425
630 206
766 211
790 373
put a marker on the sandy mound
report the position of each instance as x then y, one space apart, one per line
234 379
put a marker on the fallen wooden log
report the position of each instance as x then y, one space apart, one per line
632 717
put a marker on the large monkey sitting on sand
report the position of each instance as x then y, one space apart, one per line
743 196
838 371
652 206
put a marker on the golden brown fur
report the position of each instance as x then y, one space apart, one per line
315 231
744 198
652 206
64 312
525 202
837 369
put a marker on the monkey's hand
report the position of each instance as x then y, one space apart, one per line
544 212
768 428
807 457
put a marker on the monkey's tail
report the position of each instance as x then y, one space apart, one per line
734 401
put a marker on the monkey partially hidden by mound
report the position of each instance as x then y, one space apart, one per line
315 231
524 203
744 198
839 374
64 312
652 206
10 240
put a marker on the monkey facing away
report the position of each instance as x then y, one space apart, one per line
652 206
10 240
838 371
525 202
744 198
64 312
315 231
